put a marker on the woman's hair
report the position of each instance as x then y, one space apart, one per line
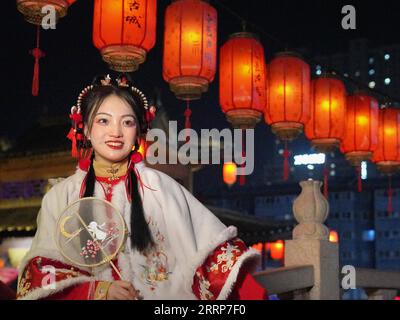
140 233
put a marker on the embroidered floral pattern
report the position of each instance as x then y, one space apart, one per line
155 269
211 276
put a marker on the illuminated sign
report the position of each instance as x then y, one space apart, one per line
307 159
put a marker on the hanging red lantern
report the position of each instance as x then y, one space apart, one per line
277 250
288 99
124 31
242 80
190 47
32 9
143 147
326 126
288 95
387 154
361 134
333 236
229 173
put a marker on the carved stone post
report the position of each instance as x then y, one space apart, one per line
310 244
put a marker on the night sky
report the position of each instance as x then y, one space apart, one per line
71 59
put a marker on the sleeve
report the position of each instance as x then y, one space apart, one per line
42 272
209 252
46 279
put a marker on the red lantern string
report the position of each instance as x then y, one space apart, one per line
390 195
286 163
326 172
242 178
187 114
37 54
359 182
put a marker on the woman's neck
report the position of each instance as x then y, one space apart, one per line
109 170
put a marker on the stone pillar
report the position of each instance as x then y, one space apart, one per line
310 244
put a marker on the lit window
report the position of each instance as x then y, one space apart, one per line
371 72
332 173
372 84
357 73
318 72
333 165
280 151
346 75
310 167
387 56
368 235
371 60
387 81
318 67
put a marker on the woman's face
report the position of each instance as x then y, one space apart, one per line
113 132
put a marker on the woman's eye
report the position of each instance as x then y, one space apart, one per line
129 123
102 121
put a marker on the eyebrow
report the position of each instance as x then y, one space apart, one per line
124 115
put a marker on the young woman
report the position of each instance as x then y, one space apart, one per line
177 249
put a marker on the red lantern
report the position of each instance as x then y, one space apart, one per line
277 250
288 99
361 135
32 9
229 172
387 155
288 95
326 126
143 147
333 236
190 44
242 80
124 31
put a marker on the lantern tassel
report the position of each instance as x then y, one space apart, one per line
326 172
359 181
390 195
37 54
242 178
286 163
187 114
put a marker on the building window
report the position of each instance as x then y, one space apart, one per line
371 72
371 84
371 60
386 56
387 81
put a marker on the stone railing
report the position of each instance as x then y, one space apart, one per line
311 268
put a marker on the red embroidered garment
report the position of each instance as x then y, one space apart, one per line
211 277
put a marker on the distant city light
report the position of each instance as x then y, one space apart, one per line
318 67
333 165
357 73
318 72
346 75
387 81
371 84
310 167
387 56
364 174
371 72
332 173
371 60
368 235
306 159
